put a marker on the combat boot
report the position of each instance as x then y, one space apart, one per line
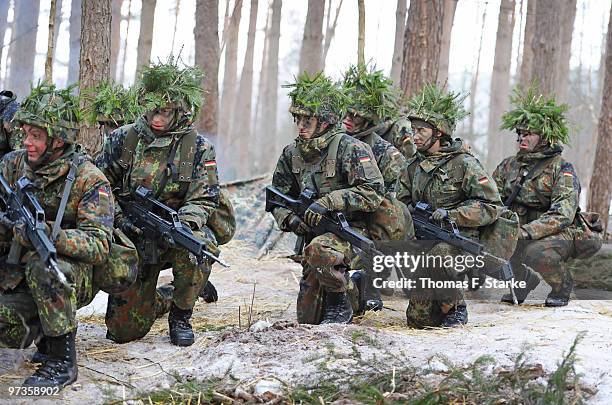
560 298
337 308
458 315
42 351
181 333
531 282
374 300
209 293
60 367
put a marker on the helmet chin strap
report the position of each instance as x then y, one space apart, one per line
431 141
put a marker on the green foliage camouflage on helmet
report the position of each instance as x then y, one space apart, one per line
317 96
166 83
110 102
538 114
438 107
57 111
372 94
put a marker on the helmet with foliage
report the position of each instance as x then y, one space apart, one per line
372 94
536 113
317 96
112 104
439 108
162 84
56 111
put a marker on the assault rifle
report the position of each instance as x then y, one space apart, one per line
21 206
426 230
334 222
159 223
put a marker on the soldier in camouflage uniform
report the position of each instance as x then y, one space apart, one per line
445 175
372 99
171 96
8 107
353 185
547 203
34 306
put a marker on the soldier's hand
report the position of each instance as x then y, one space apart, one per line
20 234
128 227
316 211
439 215
524 234
297 226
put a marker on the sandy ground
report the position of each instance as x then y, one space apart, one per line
288 354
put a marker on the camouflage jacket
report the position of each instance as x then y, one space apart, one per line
354 186
389 160
399 134
201 197
87 223
455 180
548 201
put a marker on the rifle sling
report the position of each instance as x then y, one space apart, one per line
523 176
66 193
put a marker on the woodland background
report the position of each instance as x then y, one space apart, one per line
249 49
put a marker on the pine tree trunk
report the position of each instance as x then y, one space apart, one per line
567 29
423 37
474 85
206 34
242 109
447 26
94 61
330 30
500 143
257 126
398 47
527 56
270 97
115 36
361 34
600 187
51 41
75 41
311 53
22 50
145 37
4 8
58 23
229 88
177 8
125 44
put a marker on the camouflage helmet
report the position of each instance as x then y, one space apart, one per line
166 83
317 96
437 107
112 104
56 111
372 94
536 113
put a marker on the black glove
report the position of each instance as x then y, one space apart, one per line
128 226
297 226
315 212
439 214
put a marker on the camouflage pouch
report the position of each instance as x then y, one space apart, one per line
223 220
588 237
390 221
121 268
500 238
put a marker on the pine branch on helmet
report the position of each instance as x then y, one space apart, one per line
112 103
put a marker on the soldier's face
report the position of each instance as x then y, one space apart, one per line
306 126
354 123
35 142
161 119
422 138
528 141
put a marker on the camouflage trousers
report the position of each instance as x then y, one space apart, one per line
428 305
547 256
131 314
40 305
325 269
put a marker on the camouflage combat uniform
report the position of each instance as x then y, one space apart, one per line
32 301
10 138
131 314
355 186
399 134
454 180
546 206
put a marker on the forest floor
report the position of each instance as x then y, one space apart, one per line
277 361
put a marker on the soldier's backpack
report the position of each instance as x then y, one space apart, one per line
120 269
222 222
